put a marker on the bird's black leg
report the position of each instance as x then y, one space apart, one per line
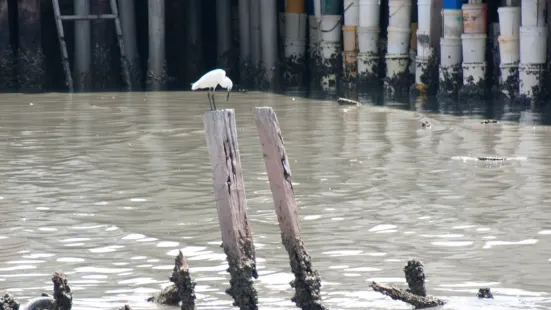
208 96
213 103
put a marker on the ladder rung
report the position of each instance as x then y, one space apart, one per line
87 17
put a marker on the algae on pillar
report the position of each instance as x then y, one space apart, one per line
83 48
7 60
128 25
350 39
156 65
268 27
368 44
330 45
450 71
30 57
294 43
398 77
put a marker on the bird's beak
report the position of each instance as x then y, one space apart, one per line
228 96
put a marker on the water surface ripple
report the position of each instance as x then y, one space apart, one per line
108 186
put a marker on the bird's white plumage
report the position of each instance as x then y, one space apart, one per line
226 83
210 79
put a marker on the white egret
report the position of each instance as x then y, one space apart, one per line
212 79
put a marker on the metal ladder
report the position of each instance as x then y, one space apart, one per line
61 36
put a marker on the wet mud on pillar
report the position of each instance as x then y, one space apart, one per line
30 57
105 70
7 60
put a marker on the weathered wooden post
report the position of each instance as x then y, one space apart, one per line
7 61
231 204
307 281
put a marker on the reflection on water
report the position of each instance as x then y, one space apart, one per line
108 186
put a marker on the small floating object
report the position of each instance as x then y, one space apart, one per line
344 101
489 121
425 124
492 158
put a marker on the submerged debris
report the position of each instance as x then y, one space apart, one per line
425 124
168 296
182 289
9 303
416 294
419 302
489 121
62 292
485 293
125 307
184 282
415 277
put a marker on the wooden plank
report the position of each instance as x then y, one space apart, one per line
307 281
231 205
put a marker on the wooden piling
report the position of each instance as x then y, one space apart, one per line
30 57
106 70
156 69
7 61
231 204
307 281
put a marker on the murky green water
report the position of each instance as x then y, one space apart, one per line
108 186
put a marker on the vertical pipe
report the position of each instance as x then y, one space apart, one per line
128 25
30 58
7 62
244 32
82 46
156 75
255 32
223 32
194 45
268 26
